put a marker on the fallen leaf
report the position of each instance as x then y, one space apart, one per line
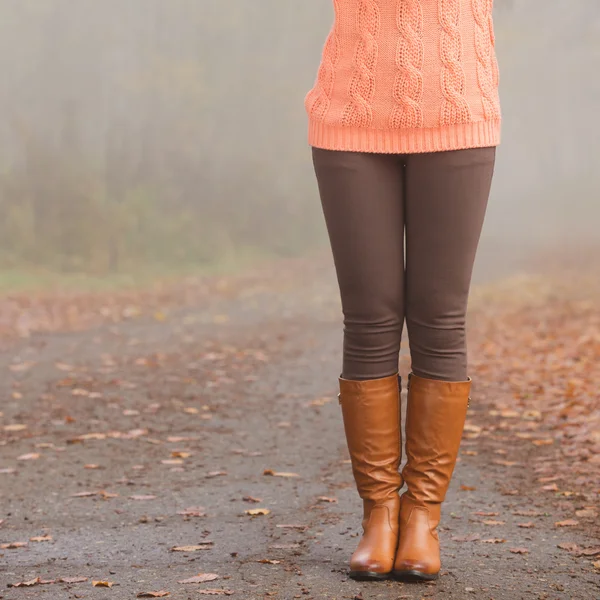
494 541
29 583
279 474
201 578
269 561
83 494
205 546
15 427
41 538
30 456
257 511
481 513
107 584
519 550
493 522
142 497
72 579
7 471
546 442
567 523
13 545
216 592
527 513
550 488
326 499
569 546
180 454
528 525
596 564
467 488
587 513
215 474
193 511
251 499
160 594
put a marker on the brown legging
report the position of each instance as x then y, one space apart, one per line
371 203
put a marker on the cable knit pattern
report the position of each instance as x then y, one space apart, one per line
405 76
454 107
482 10
359 111
319 98
408 85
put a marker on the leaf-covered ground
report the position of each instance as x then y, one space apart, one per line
185 441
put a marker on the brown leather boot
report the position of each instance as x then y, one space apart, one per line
435 418
371 414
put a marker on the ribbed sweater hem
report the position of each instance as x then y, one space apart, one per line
480 134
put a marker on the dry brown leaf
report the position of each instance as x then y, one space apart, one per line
180 454
216 592
201 578
493 522
519 550
569 546
15 427
107 584
546 442
7 471
30 456
160 594
470 452
326 499
596 564
587 513
527 513
269 561
505 463
494 541
257 511
279 474
528 525
550 488
41 538
567 523
83 494
193 511
467 488
216 474
205 546
251 499
172 461
13 545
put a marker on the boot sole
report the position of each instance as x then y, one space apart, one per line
368 576
413 576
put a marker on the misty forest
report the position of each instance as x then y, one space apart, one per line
166 134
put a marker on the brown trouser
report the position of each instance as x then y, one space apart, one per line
374 204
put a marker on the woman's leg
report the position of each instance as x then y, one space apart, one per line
362 202
446 200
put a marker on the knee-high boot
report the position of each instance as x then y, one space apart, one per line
371 415
435 418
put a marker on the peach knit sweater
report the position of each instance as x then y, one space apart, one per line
406 76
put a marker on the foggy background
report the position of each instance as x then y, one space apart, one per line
168 133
